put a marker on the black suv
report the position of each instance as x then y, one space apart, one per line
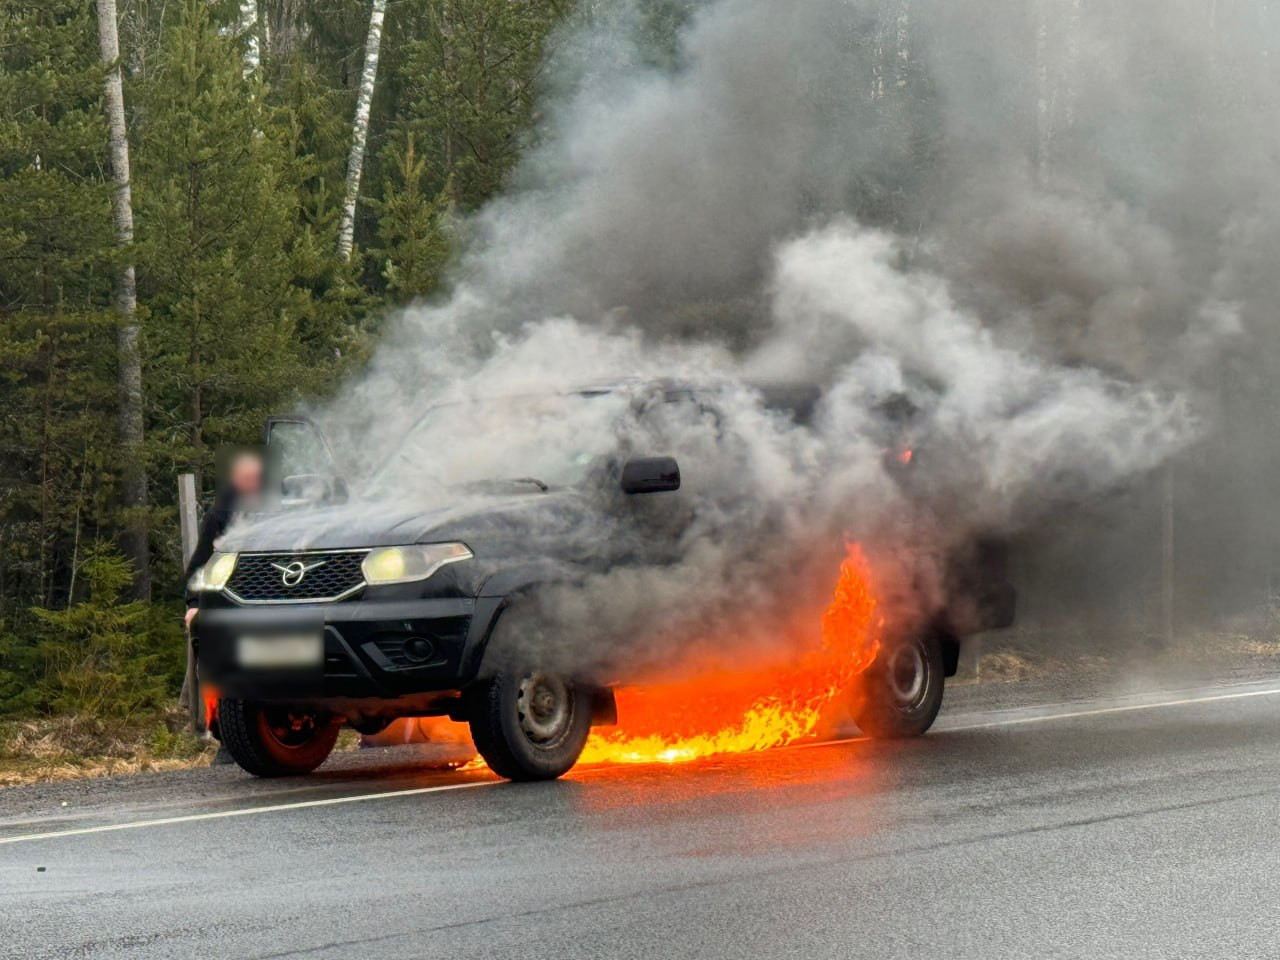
340 608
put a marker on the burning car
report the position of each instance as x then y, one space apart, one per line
364 608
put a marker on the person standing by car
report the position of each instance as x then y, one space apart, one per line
239 492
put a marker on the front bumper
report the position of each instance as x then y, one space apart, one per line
372 648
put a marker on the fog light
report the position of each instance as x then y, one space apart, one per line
418 649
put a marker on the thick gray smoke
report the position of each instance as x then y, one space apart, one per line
1045 225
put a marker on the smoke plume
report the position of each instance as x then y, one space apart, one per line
1042 229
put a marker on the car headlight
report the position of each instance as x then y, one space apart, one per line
406 564
215 574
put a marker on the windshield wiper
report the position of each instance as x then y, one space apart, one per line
534 480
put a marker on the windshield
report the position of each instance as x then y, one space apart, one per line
538 440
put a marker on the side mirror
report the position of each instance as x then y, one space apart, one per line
651 475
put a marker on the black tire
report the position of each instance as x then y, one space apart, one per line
901 693
529 725
273 740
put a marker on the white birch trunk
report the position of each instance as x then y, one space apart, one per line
1071 71
360 129
879 59
248 28
891 61
902 44
128 353
1044 93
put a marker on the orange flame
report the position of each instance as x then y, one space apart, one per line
209 695
744 711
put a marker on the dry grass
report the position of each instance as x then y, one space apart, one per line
67 748
1031 654
1009 666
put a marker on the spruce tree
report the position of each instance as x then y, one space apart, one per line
236 332
469 81
412 243
57 392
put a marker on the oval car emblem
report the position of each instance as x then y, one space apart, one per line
294 573
291 574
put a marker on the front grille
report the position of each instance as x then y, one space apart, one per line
258 577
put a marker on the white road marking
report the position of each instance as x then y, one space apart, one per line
1123 708
333 801
246 811
1064 715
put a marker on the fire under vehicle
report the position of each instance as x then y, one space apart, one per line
359 609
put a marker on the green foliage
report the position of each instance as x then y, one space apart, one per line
413 239
217 212
169 744
244 306
469 82
55 232
102 657
57 393
56 442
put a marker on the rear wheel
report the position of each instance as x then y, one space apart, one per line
529 725
902 691
275 740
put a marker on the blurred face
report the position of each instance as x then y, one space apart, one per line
246 475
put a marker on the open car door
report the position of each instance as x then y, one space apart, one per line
300 466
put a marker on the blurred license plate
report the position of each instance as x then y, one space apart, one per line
281 650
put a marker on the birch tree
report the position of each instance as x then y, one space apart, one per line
1072 68
134 539
248 28
891 56
1044 91
902 45
360 129
1057 66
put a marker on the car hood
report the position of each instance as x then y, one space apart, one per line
482 522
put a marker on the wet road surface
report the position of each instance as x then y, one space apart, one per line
1134 827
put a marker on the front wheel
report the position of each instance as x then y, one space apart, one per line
902 691
275 740
529 725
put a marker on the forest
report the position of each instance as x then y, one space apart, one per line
212 210
298 169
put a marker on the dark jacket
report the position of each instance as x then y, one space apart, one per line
214 525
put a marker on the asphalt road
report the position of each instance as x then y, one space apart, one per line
1139 827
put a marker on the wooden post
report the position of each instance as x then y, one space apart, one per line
190 532
187 515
